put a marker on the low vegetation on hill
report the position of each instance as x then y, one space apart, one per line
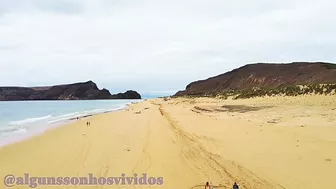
289 90
329 65
322 89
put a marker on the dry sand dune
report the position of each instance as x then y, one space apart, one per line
277 142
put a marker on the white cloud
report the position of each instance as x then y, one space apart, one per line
153 45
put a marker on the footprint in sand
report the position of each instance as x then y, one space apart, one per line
297 143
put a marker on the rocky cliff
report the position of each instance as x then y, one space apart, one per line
266 76
127 95
77 91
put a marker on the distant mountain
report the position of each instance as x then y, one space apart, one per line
77 91
265 75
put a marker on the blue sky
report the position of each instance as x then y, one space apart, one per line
156 47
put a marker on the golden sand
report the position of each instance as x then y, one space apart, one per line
261 143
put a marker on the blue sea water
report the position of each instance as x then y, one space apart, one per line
22 119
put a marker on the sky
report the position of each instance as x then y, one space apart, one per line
156 46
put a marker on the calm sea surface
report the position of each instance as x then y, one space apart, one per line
22 119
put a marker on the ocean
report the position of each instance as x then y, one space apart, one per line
22 119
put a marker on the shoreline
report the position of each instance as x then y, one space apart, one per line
40 129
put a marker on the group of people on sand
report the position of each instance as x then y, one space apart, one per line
88 123
207 186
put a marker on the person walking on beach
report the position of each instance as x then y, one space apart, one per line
207 185
235 186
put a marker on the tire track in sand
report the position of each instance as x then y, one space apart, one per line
145 161
227 171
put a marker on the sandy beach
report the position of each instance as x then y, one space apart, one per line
260 143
